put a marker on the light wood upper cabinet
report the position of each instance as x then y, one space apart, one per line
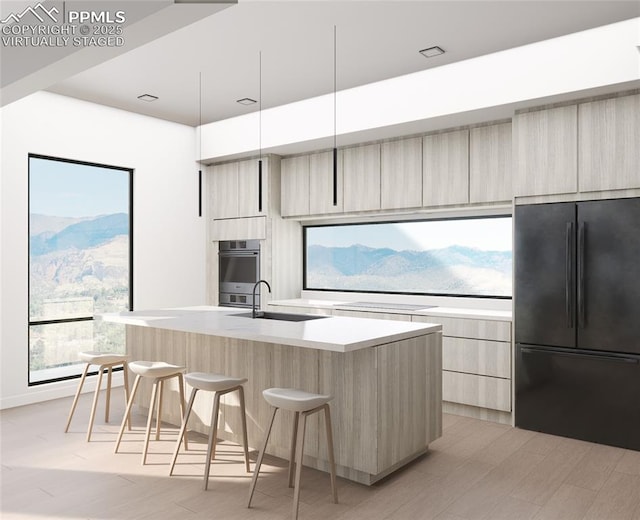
545 146
321 183
235 189
609 144
361 165
223 194
490 163
445 168
401 174
252 201
294 187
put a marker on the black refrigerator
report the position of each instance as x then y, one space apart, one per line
577 320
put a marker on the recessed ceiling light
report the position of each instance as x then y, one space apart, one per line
246 101
432 51
147 97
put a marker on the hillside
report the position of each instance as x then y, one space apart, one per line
452 270
76 235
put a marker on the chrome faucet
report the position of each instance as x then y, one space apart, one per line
253 306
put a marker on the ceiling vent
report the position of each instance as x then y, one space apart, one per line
147 97
432 52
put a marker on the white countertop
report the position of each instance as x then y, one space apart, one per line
450 312
335 333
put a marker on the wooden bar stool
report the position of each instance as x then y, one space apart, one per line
105 361
303 404
221 385
159 371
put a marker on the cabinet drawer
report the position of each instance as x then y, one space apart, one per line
481 391
475 356
468 328
373 315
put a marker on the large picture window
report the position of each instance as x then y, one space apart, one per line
80 262
452 257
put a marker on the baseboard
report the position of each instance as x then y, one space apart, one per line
56 390
485 414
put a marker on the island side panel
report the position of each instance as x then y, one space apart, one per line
150 344
351 379
409 399
434 390
402 392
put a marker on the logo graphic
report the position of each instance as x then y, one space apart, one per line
34 11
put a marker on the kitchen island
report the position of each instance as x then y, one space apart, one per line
386 379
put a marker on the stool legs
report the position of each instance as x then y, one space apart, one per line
127 412
243 414
183 429
256 470
292 453
75 399
108 398
332 462
297 452
94 406
125 369
154 398
213 432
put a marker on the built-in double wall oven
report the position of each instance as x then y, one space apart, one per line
239 270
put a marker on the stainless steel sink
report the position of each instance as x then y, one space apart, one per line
281 316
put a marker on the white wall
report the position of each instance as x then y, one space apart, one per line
169 237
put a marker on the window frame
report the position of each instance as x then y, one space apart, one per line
31 323
305 286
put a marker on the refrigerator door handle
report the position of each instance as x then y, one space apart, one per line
580 354
569 275
581 269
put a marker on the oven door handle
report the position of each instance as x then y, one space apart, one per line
238 253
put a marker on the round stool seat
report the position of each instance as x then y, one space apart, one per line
154 368
212 382
293 399
101 358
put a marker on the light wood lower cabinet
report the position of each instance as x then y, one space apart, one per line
476 359
473 390
476 356
476 363
470 328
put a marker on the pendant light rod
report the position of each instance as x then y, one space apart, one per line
200 144
260 101
335 139
260 131
335 75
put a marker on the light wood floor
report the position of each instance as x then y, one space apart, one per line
477 470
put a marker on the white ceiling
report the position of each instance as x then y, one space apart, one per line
375 41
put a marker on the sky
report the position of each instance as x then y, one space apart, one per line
489 234
64 189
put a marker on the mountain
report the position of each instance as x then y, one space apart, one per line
80 235
451 270
49 224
